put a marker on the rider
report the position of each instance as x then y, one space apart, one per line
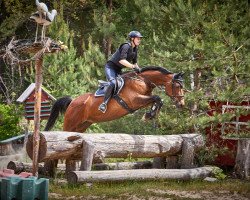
125 56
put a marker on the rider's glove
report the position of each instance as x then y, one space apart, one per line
137 69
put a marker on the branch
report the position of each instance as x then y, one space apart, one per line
18 51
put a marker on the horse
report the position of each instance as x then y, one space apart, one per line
83 111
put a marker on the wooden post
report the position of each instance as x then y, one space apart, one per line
242 162
37 111
70 166
50 168
87 156
188 151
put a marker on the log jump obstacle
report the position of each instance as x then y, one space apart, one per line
91 148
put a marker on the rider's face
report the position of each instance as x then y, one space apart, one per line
137 41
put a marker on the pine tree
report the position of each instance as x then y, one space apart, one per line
207 40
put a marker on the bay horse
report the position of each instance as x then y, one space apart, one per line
82 111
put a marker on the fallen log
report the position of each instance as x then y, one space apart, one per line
140 174
69 145
19 167
4 160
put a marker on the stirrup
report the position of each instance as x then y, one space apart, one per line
103 107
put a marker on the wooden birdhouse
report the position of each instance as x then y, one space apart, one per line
28 99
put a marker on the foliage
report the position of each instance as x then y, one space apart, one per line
218 173
208 154
10 117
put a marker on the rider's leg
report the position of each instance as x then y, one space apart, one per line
111 74
107 96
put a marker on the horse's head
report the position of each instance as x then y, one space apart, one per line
174 89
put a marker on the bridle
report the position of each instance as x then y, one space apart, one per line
174 96
174 90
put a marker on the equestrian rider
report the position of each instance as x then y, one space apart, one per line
125 56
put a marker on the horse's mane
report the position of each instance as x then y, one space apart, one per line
156 68
148 68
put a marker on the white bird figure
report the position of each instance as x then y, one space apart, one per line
44 20
42 11
42 7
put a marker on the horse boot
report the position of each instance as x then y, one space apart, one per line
107 97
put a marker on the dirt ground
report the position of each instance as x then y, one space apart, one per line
164 195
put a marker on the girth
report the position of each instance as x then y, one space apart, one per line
123 103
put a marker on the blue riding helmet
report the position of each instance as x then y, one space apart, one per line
134 34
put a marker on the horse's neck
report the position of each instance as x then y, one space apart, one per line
156 77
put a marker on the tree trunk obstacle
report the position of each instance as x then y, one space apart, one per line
142 174
77 146
90 148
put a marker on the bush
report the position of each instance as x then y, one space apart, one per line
10 116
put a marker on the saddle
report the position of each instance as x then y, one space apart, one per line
102 87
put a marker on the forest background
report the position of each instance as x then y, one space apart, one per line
209 40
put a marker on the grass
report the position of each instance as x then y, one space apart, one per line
146 189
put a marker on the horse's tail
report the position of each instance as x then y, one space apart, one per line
59 107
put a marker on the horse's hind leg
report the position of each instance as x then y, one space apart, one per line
77 127
82 127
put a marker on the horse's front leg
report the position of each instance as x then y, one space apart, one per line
155 108
156 102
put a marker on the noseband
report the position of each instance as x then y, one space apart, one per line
174 96
174 93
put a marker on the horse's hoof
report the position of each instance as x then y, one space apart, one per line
147 116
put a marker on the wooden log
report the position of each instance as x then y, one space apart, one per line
4 160
123 165
190 145
19 167
242 162
56 145
140 174
68 145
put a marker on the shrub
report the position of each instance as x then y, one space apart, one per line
10 116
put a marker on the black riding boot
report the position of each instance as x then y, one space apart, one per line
107 96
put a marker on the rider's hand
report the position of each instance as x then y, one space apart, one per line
137 69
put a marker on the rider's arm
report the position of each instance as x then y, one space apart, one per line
126 63
123 61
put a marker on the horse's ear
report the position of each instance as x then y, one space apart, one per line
176 76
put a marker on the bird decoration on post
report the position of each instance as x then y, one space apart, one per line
43 17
